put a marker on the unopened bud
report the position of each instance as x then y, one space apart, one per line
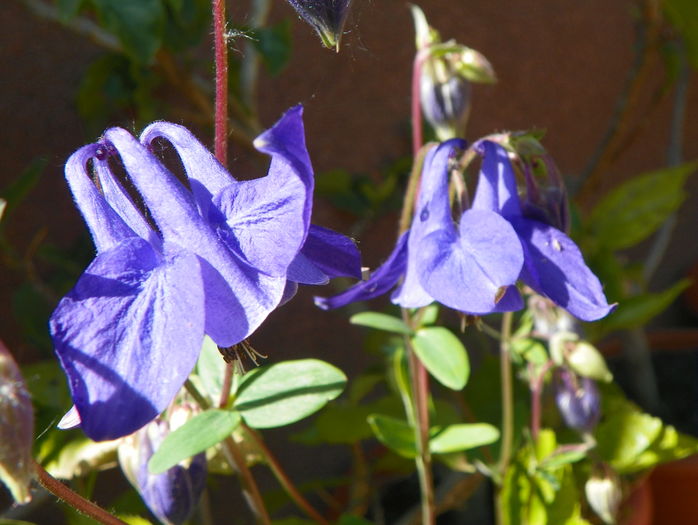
16 429
587 361
604 495
447 69
327 17
567 349
577 400
172 495
445 99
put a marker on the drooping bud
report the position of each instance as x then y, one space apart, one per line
446 72
445 99
577 400
16 429
580 356
604 494
172 495
327 17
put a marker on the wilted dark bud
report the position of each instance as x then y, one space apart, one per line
172 495
604 494
326 16
577 400
16 429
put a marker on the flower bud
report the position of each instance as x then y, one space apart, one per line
445 98
577 400
327 17
16 429
172 495
546 195
604 495
580 356
446 72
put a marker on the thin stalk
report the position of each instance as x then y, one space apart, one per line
74 499
420 397
536 385
235 458
227 385
221 59
416 108
284 479
507 409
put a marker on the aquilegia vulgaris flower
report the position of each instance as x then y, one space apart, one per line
218 262
472 268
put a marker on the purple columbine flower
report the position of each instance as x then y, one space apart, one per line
327 17
470 267
553 265
130 331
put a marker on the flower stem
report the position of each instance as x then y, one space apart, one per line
74 499
221 59
416 108
283 478
507 410
237 461
420 396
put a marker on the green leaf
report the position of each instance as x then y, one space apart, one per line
380 321
211 368
134 520
274 45
637 208
138 24
21 186
683 15
196 435
443 355
67 9
638 310
283 393
454 438
395 434
632 441
531 350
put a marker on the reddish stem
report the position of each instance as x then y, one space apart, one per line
74 499
221 58
536 390
417 138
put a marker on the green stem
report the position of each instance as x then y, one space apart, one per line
507 410
235 458
419 383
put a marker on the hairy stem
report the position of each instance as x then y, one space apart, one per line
75 500
221 58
